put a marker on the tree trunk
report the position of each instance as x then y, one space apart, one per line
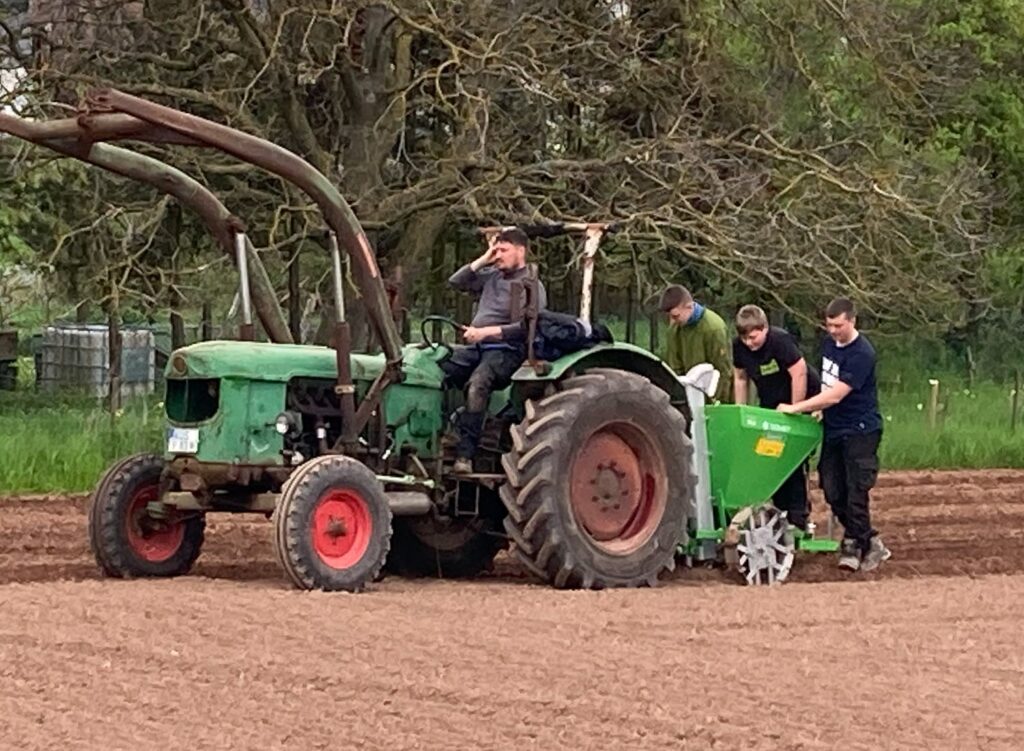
207 322
177 331
631 312
396 299
438 276
177 300
463 303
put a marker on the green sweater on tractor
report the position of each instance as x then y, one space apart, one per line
707 340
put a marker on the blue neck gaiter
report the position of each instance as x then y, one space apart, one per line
698 313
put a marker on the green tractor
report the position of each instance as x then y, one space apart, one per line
599 468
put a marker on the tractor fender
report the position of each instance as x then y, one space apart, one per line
620 356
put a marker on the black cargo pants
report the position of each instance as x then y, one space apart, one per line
481 371
848 469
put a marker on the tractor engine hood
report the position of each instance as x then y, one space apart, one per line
260 361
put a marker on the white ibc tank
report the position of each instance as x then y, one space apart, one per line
75 357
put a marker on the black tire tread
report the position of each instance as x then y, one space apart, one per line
106 518
289 527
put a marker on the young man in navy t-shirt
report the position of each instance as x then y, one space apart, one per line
768 357
853 430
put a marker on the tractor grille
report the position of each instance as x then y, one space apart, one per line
192 399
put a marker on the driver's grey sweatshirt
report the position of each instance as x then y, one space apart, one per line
494 293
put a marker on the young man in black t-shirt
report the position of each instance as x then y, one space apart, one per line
769 357
853 430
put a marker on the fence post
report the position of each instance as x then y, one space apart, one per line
933 403
1014 401
114 357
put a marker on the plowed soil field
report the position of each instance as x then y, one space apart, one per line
924 653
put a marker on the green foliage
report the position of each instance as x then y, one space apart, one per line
774 151
65 446
53 444
973 429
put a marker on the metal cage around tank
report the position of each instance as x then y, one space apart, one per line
76 357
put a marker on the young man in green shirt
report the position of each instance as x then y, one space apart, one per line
697 335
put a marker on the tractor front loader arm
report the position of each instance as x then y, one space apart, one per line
110 114
338 214
145 169
285 164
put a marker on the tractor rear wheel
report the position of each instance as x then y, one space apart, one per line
458 547
127 540
332 525
599 482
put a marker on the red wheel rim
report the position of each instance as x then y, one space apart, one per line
617 486
152 540
341 528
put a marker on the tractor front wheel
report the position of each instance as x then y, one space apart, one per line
332 525
127 538
599 482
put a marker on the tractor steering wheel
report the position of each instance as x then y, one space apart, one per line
440 319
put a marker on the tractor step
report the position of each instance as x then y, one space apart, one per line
487 479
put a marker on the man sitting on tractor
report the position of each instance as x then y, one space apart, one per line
495 343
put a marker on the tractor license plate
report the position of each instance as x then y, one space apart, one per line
182 440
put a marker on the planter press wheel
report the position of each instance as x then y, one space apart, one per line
764 549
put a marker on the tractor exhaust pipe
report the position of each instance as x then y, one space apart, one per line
247 332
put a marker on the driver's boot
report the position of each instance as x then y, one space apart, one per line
468 427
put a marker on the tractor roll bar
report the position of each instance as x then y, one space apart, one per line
593 232
555 229
221 223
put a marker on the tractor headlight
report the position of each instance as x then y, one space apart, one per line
178 365
288 422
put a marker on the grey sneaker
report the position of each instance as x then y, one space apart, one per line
876 554
849 555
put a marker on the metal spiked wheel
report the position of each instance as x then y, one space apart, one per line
764 547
